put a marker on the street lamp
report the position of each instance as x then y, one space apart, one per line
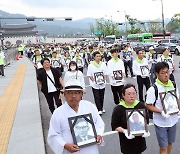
164 32
124 19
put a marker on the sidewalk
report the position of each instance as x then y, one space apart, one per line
20 118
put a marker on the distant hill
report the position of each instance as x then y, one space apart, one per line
54 28
57 27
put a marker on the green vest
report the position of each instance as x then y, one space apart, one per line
1 60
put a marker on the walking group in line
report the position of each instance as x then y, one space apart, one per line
60 69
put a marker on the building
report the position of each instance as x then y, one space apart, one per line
18 33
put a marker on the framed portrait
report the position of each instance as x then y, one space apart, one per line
79 62
144 70
99 78
83 130
136 122
170 102
117 75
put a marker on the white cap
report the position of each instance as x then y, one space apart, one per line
73 85
151 48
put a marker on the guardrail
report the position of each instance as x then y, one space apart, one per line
10 56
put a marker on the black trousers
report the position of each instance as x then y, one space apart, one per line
126 65
50 101
171 77
142 81
99 98
117 93
2 70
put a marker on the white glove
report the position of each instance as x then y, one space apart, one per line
146 134
130 136
165 115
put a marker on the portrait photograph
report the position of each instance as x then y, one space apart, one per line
79 62
144 70
117 75
83 130
136 122
170 102
99 78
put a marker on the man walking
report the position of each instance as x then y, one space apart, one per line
141 69
2 63
165 124
59 137
97 73
116 75
51 82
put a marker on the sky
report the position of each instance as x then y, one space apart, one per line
78 9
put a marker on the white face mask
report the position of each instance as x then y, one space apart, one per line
72 68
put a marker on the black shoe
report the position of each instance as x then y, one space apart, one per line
132 76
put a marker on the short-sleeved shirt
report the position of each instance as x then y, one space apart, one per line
157 117
92 70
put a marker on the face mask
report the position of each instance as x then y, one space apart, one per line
72 68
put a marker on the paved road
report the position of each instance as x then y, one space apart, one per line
112 141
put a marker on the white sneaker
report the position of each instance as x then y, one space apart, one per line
103 111
100 112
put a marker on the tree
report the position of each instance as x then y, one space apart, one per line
104 27
174 24
133 22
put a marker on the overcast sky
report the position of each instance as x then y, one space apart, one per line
77 9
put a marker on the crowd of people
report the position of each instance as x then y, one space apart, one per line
60 70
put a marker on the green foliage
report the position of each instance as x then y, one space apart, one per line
174 24
107 27
135 28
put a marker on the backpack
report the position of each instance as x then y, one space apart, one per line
150 113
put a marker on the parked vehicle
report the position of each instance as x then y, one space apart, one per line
177 50
159 48
169 41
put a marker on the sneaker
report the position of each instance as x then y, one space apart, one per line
103 111
100 112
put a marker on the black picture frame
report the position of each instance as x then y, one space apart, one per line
144 70
170 102
136 122
83 130
118 75
99 78
79 62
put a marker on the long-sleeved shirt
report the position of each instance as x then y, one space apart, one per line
59 130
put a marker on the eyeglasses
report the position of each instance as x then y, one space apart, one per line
163 73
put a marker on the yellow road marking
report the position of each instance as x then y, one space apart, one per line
8 104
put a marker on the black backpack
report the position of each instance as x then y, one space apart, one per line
150 113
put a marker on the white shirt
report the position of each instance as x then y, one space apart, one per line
157 118
168 60
51 87
112 66
59 130
65 62
137 68
80 62
77 75
92 70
